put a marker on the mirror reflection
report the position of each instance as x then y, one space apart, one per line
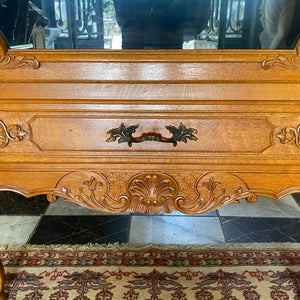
150 24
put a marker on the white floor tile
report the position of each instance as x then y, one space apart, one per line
175 230
16 229
61 208
264 207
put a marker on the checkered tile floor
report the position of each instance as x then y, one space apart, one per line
36 221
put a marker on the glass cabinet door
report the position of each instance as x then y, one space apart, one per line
150 24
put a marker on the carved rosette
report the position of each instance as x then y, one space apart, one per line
8 61
152 192
291 62
11 132
290 135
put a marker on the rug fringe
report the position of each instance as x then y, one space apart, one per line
127 246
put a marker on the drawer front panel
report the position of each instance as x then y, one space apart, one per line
203 134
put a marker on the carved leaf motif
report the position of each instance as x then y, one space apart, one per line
211 185
12 132
91 193
290 135
16 132
152 192
291 62
215 190
13 61
288 62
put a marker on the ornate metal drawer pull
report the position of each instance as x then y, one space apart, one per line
124 135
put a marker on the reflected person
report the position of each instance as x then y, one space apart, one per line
281 21
160 24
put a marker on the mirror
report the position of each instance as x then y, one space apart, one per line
150 24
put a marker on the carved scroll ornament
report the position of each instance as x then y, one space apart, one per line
215 190
290 135
91 193
11 132
124 135
8 61
284 61
152 192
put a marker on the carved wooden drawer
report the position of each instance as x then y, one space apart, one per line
150 131
88 133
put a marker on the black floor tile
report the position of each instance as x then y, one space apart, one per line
297 198
15 204
81 230
266 230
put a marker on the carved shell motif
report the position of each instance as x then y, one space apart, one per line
12 132
152 192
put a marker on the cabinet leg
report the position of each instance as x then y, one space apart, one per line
3 296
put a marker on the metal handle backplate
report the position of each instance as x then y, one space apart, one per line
124 135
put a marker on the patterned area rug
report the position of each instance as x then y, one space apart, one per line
251 272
